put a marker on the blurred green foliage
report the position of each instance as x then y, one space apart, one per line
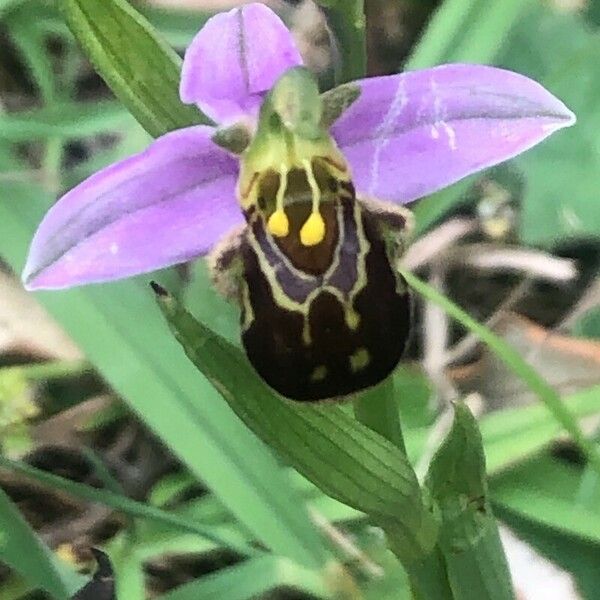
561 192
251 495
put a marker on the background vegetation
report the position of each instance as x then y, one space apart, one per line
110 438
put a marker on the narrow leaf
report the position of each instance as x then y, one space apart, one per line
125 505
139 67
250 580
545 491
21 549
69 119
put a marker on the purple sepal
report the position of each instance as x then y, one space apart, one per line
163 206
409 135
234 61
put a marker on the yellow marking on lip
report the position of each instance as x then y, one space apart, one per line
352 319
360 360
319 373
279 224
313 230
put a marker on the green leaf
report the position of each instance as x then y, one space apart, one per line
142 363
576 556
31 43
377 409
250 580
442 33
512 434
469 540
5 5
21 549
208 306
347 22
139 67
343 458
485 30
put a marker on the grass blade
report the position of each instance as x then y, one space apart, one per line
69 119
250 580
141 69
124 504
21 549
513 360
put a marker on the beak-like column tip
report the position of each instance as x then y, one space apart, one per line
159 290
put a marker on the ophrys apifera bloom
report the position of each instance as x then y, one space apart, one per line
311 258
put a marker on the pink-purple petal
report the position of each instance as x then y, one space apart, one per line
163 206
409 135
234 61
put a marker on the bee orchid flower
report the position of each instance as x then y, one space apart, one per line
314 259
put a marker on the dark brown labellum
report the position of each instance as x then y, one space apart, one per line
329 320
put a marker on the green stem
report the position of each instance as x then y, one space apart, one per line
515 362
377 409
429 579
346 18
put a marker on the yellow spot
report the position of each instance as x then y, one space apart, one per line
352 319
360 359
278 224
319 373
66 553
313 231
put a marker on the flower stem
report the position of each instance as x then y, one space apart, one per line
347 22
429 579
377 409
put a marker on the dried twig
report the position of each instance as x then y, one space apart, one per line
432 244
343 542
533 263
435 339
463 347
